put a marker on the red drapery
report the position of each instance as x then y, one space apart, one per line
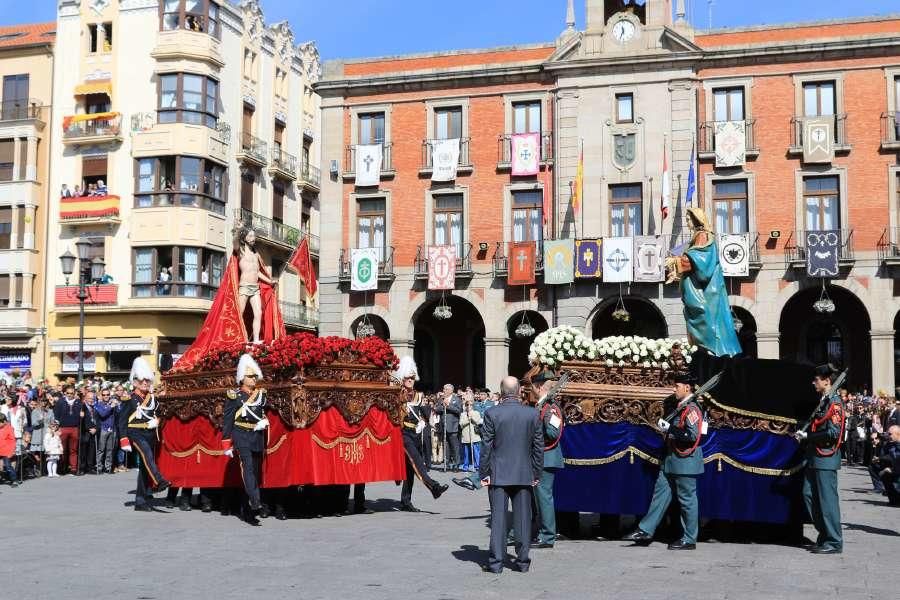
329 452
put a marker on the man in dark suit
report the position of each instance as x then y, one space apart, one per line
512 457
893 416
450 407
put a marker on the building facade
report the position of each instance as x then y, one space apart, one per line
26 67
184 120
637 93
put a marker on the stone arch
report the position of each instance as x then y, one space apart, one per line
517 364
428 299
376 310
379 323
452 350
647 318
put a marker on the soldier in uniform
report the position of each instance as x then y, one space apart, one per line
414 423
682 464
552 424
138 425
823 459
243 429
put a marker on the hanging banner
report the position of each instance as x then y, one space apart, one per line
444 159
559 261
818 140
734 254
364 269
649 260
441 267
822 253
526 153
618 255
731 143
368 164
587 259
70 362
521 263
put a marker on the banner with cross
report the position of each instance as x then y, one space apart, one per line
521 263
587 259
368 164
618 259
526 154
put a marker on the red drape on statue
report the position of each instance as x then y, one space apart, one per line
224 324
328 452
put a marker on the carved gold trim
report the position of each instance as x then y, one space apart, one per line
345 440
718 456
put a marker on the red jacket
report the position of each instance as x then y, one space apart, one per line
7 441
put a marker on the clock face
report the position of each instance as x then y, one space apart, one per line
623 30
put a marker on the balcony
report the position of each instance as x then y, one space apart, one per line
890 131
89 210
98 295
30 109
283 165
171 289
97 128
314 242
268 230
706 141
253 151
463 262
795 251
504 150
501 258
387 165
385 264
889 247
150 138
464 166
841 142
179 44
299 316
310 178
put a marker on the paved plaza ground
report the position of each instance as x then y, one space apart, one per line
74 538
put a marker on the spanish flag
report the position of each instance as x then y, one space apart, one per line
579 183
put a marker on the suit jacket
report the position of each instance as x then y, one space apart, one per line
892 419
237 428
512 444
451 418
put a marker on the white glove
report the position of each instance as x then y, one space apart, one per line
801 435
261 424
420 427
663 425
153 423
126 448
229 453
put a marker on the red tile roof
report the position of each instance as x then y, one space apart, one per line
29 34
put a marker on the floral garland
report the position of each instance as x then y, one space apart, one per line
559 344
299 351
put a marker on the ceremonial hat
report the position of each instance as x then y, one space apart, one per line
544 375
826 371
140 370
406 368
247 366
685 377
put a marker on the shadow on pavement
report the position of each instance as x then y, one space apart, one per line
870 529
472 554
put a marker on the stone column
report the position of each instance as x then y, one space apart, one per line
767 344
496 356
28 238
13 284
31 159
882 361
402 347
14 228
17 152
27 280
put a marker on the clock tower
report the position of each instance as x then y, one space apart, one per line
626 26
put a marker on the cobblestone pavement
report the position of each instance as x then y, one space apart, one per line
74 538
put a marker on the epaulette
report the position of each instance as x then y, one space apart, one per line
232 394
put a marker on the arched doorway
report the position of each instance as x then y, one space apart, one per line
644 320
377 323
518 346
449 350
746 332
840 337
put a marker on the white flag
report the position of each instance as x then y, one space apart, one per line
734 254
364 269
618 259
526 153
368 164
444 159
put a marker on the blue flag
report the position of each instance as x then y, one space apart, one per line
692 181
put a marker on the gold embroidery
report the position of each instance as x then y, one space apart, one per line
198 448
367 433
748 413
718 456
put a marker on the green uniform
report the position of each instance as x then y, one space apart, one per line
552 422
682 464
823 460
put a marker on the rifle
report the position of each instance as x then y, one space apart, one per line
556 389
835 388
710 384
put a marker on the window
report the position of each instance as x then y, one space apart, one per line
20 227
201 16
626 210
182 181
93 38
5 228
186 98
176 271
819 99
7 159
527 217
281 83
248 181
624 108
100 38
278 202
15 97
730 202
97 249
822 203
371 224
97 103
107 37
120 360
448 123
371 128
278 136
448 221
4 290
728 104
527 117
93 170
249 64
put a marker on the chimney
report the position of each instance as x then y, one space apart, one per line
596 14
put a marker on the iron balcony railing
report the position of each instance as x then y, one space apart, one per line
254 148
299 315
310 175
795 250
174 289
386 159
427 149
501 257
103 125
840 130
504 148
706 141
463 261
144 121
269 229
314 242
889 245
283 161
20 109
385 263
890 128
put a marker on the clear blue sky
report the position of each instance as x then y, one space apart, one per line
354 28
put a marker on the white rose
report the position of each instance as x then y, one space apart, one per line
646 364
591 355
635 358
609 362
580 352
687 359
621 363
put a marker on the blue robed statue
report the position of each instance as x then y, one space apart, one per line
706 308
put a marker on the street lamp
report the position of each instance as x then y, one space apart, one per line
89 271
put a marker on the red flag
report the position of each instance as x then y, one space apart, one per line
521 263
548 196
301 262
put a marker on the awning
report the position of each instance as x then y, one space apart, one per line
103 345
91 117
96 87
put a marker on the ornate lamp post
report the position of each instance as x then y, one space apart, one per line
89 271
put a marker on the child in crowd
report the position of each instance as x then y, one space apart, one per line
7 450
53 448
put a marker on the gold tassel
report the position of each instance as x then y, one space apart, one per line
631 457
720 465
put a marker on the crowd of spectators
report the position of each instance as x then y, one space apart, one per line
82 191
872 439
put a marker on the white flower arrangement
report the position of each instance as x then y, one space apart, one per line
565 342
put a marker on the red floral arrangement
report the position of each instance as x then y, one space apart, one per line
299 351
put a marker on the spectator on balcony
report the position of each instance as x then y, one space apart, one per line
204 276
162 282
66 192
91 190
101 189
